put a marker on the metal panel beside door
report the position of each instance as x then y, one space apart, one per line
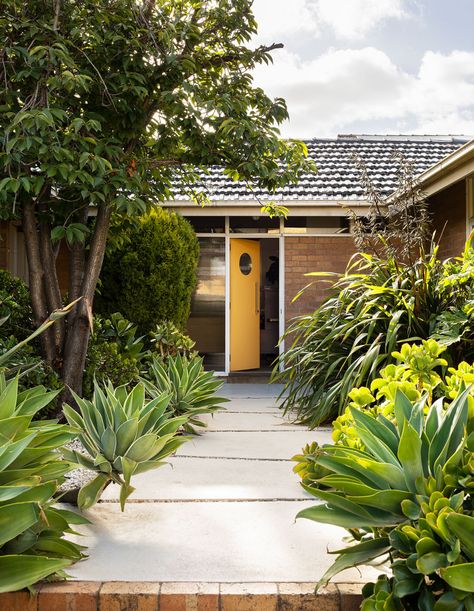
244 304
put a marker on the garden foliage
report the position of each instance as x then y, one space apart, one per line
192 390
124 434
149 274
115 353
32 529
374 306
400 479
15 307
104 105
168 340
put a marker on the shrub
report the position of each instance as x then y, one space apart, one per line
168 340
115 353
124 435
400 479
192 390
15 305
32 543
149 271
376 305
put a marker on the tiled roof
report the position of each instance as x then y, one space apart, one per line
338 178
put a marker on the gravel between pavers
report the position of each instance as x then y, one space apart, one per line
78 477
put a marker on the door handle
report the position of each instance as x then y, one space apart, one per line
257 299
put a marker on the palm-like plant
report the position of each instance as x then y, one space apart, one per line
124 435
376 304
32 543
192 390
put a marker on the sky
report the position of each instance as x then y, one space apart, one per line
370 66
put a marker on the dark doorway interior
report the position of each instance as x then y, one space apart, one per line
269 302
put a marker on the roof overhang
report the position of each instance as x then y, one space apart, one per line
450 170
253 208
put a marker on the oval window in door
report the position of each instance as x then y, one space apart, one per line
245 264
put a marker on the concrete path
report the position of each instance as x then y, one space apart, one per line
224 511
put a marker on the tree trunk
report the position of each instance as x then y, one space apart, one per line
36 281
51 288
80 320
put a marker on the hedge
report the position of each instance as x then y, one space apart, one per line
149 271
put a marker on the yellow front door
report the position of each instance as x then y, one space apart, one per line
244 304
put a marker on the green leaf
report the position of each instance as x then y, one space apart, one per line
18 572
462 526
409 454
360 554
90 493
15 519
431 562
459 576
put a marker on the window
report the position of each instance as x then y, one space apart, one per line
316 224
254 224
207 224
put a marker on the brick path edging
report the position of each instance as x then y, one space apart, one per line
151 596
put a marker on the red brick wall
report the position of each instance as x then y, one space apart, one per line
448 209
312 254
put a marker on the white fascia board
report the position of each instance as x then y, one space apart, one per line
253 208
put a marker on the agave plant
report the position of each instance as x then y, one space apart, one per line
124 435
192 390
32 529
407 493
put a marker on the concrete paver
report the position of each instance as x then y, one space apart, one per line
240 421
278 445
223 542
212 478
224 513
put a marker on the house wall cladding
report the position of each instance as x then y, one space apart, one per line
312 254
4 245
448 209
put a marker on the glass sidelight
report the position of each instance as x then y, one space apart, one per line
206 325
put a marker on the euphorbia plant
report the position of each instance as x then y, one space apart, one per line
400 478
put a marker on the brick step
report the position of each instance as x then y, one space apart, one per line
149 596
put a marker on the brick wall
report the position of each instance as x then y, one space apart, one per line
312 254
448 209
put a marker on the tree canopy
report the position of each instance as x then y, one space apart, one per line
103 103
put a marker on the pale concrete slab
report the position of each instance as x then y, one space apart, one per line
262 404
239 421
251 444
251 391
203 479
209 542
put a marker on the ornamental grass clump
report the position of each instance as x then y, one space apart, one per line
192 390
377 304
32 529
400 479
124 434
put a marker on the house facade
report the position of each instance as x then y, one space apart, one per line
252 267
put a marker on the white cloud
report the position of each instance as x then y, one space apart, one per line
347 87
283 18
347 19
352 19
